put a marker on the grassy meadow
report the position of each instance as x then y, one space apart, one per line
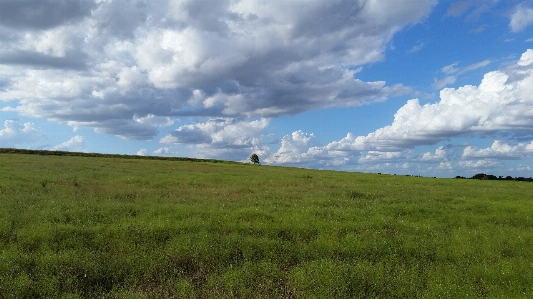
96 227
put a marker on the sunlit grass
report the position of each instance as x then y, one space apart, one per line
80 227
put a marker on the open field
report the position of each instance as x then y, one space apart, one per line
87 227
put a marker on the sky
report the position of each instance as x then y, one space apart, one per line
418 87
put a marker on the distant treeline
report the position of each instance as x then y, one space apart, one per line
482 176
80 154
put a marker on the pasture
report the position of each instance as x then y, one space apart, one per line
102 227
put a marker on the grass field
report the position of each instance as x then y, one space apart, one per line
95 227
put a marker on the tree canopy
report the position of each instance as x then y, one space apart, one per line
254 158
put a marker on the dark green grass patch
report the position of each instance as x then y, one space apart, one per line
95 227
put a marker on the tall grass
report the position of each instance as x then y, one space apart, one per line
86 227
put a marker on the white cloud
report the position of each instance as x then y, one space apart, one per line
74 144
526 59
165 151
503 101
142 152
154 120
295 149
336 162
162 151
226 137
377 156
126 67
479 164
441 154
301 148
445 165
524 168
17 134
521 18
499 150
221 133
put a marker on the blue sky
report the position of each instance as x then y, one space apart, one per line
420 87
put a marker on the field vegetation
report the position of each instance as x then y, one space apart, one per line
107 227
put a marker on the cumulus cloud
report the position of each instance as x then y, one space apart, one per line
445 165
502 101
295 149
222 137
142 152
219 133
16 133
479 164
441 155
302 149
499 150
501 105
74 144
162 151
377 156
523 168
127 67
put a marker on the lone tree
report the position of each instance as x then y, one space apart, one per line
254 158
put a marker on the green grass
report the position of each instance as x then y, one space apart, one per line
88 227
